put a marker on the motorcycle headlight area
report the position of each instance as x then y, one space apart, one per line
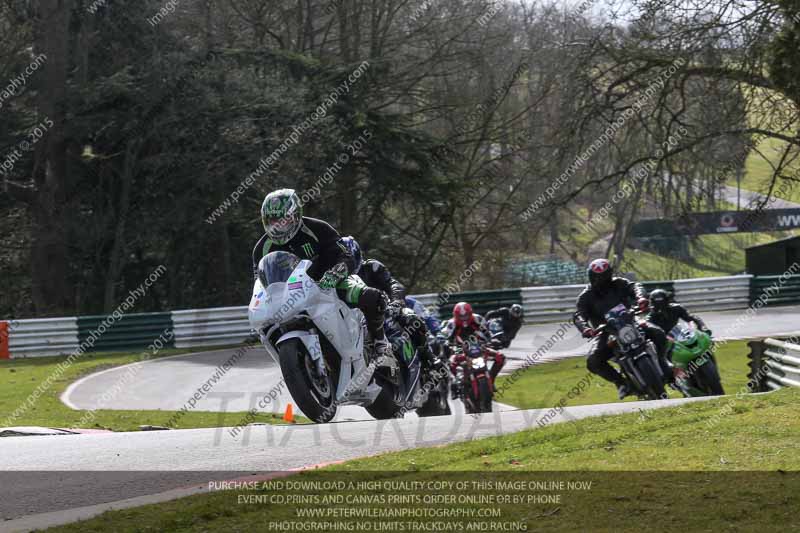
628 334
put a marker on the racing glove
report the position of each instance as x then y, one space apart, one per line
333 277
394 309
589 333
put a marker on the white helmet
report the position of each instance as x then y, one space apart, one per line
282 215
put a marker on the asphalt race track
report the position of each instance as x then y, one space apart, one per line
169 383
54 479
79 471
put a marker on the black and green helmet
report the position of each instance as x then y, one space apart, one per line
282 215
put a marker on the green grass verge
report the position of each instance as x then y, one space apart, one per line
758 170
19 378
546 385
712 255
640 466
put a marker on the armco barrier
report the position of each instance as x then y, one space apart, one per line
210 327
43 336
229 325
774 364
717 294
481 301
550 304
775 290
129 332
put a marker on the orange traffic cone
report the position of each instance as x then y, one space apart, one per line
289 415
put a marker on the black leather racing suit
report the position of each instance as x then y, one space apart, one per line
375 274
593 304
511 325
668 318
319 242
403 323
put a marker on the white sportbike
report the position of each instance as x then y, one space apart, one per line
319 343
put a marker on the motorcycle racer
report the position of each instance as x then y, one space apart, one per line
465 327
286 229
604 292
666 315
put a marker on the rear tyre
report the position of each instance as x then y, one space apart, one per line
313 394
707 378
389 403
654 386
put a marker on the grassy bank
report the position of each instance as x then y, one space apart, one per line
726 438
545 385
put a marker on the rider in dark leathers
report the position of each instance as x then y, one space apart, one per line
666 315
403 321
603 293
510 320
286 229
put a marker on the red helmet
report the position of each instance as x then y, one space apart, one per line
462 314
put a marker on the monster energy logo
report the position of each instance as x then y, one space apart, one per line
309 251
408 351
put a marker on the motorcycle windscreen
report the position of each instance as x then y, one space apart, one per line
277 296
276 267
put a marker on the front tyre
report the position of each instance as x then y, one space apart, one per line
314 394
652 383
484 396
707 378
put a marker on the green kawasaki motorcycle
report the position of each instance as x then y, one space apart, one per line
696 372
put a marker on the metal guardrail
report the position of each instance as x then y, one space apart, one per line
774 364
781 290
43 336
229 325
719 294
210 327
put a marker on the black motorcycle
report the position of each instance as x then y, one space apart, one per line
636 356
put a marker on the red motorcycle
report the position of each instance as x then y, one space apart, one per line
472 382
